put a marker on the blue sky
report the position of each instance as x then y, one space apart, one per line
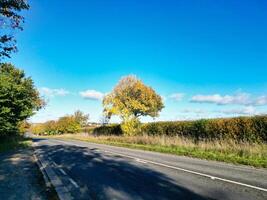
206 58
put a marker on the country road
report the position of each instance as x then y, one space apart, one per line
96 171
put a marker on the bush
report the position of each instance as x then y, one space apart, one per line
131 127
113 129
66 124
239 129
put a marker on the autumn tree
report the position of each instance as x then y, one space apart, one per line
68 124
19 99
10 19
130 99
81 118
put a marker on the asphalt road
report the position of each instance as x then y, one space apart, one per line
95 171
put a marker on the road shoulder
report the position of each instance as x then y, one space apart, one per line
20 177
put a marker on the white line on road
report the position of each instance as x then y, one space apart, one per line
140 160
194 172
73 182
182 169
62 171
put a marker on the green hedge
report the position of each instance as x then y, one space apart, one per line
240 129
113 129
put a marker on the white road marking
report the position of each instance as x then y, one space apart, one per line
62 171
140 160
182 169
73 182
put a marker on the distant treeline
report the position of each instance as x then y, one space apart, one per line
240 129
66 124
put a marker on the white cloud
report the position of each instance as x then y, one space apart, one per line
191 110
248 110
262 100
53 92
177 96
239 99
92 95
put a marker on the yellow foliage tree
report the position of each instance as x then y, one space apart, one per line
130 99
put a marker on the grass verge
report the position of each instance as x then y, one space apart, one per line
226 151
14 142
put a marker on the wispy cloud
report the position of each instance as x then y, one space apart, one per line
237 99
261 101
177 96
92 95
193 110
248 110
51 92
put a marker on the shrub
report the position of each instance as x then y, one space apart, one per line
66 124
239 129
113 129
131 127
37 129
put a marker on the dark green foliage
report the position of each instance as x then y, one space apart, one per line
114 129
19 99
10 19
14 142
260 126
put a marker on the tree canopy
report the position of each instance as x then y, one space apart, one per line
19 99
131 98
81 118
10 19
66 124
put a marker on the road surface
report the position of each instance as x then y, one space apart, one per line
96 171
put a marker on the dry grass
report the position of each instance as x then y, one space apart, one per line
228 151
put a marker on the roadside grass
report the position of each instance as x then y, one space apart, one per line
14 142
226 151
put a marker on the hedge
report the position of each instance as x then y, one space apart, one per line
239 129
113 129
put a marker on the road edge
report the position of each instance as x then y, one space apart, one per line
50 177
